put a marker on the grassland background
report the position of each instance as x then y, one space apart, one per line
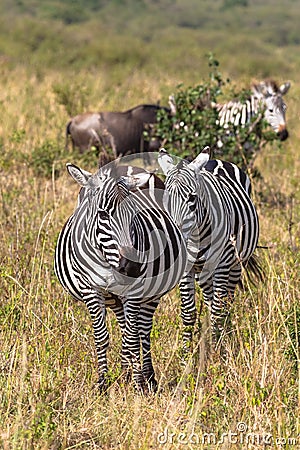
100 55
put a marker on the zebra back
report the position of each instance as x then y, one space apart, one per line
226 169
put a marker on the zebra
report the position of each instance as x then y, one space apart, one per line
218 219
120 249
265 102
229 170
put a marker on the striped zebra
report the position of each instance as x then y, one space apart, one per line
210 202
265 102
227 169
120 250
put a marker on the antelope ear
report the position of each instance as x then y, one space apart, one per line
79 175
165 161
201 159
284 87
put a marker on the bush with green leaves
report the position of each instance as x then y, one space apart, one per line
195 123
45 160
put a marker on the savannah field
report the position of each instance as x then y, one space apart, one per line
52 68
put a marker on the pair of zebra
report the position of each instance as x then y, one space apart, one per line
132 238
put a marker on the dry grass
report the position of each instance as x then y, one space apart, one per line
49 397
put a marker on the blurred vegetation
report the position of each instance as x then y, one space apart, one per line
147 35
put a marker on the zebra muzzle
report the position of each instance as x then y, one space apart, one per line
129 264
283 134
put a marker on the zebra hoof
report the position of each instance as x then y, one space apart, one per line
103 384
148 386
126 376
152 385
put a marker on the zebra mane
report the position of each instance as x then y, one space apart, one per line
182 164
122 189
272 83
267 86
176 170
111 171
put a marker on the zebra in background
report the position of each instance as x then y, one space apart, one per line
120 250
265 102
213 208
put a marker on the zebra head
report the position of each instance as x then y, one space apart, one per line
274 106
108 216
182 187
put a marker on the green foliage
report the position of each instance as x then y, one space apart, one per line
44 159
68 14
18 136
233 3
195 124
73 33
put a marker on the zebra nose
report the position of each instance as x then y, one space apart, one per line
283 134
129 268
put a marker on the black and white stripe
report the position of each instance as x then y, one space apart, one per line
228 170
220 224
121 250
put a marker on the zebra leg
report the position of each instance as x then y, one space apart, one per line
226 282
208 295
188 308
132 342
145 326
220 306
234 277
118 308
223 299
96 307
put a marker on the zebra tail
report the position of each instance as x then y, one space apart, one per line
68 133
253 270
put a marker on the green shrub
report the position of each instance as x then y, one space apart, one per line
45 159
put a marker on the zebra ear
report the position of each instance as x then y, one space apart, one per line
284 87
201 159
137 180
165 161
79 175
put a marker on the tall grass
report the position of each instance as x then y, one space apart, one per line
48 376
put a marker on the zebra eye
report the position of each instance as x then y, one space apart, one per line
102 214
192 201
271 110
